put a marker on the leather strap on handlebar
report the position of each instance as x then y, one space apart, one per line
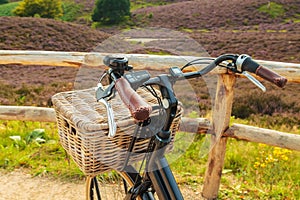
271 76
138 107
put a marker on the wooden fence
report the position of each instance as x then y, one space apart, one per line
222 108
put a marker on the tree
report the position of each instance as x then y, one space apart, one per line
41 8
3 1
111 11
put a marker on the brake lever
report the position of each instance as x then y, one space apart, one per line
233 68
255 81
112 126
102 96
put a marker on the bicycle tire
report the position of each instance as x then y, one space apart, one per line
111 186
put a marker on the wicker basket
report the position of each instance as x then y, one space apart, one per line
83 130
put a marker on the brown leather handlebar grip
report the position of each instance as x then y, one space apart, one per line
271 76
138 107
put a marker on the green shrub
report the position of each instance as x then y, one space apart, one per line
111 11
6 9
41 8
3 1
71 11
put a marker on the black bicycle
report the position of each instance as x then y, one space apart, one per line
156 180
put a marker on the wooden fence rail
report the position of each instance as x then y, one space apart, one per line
139 61
238 131
221 113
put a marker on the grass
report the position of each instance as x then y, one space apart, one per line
258 176
134 5
34 146
295 19
249 172
273 9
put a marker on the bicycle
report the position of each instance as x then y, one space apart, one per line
154 135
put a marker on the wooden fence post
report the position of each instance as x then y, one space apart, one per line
221 119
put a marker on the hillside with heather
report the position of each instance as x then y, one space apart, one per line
232 26
205 14
264 30
46 34
33 85
253 27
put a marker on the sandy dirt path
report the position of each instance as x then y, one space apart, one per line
18 185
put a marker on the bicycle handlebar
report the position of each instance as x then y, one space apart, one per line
245 63
138 107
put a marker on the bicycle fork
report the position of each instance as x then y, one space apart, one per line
164 182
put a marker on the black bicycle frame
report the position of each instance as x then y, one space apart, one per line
163 180
159 171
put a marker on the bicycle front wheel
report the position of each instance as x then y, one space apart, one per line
113 185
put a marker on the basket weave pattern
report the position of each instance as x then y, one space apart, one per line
83 130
